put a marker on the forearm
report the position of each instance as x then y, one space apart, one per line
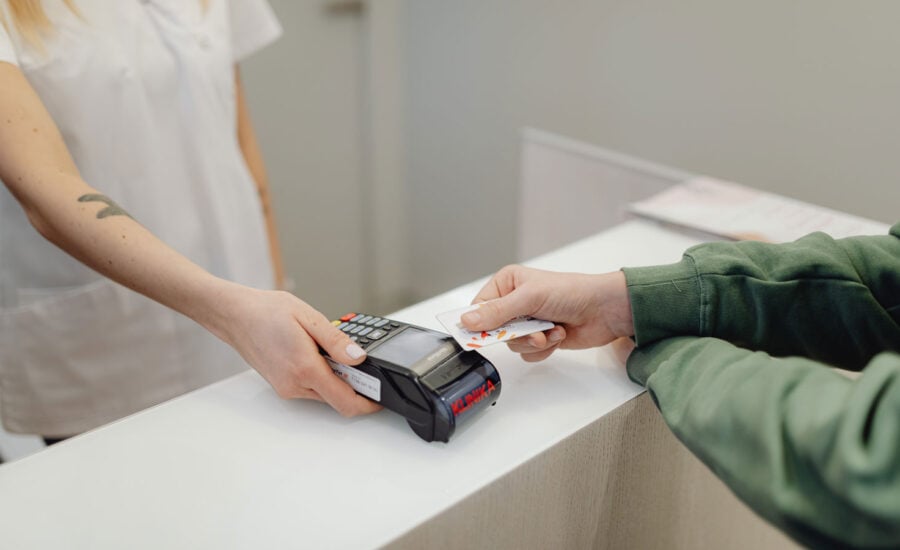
36 167
96 231
809 449
834 301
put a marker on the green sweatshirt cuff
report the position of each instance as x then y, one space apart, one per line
665 301
644 362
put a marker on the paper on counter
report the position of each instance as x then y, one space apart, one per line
738 212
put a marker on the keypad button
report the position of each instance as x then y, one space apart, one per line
348 316
365 331
380 323
357 318
376 334
341 326
373 320
348 327
394 325
364 341
364 319
335 323
356 329
354 338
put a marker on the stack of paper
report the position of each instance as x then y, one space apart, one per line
738 212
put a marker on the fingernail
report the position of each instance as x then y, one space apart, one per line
354 351
472 317
555 336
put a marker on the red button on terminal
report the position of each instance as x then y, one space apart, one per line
348 317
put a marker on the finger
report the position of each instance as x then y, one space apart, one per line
339 394
336 344
488 292
360 405
306 393
491 315
363 406
539 340
539 355
502 283
529 344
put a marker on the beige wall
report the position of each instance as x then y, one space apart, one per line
797 97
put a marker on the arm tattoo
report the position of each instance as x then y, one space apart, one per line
112 209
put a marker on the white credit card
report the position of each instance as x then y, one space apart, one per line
469 339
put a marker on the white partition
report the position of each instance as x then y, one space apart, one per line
569 189
15 446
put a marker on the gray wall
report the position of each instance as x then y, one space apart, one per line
797 97
305 94
328 106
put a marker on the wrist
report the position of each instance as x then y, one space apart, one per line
616 304
213 304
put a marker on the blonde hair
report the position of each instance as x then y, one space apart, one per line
31 21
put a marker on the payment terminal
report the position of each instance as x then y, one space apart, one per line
419 373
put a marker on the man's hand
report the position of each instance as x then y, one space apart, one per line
590 310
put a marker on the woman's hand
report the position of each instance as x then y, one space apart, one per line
279 335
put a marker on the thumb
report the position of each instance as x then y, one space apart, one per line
494 313
336 344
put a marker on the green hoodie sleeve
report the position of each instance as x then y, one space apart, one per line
816 453
836 301
812 451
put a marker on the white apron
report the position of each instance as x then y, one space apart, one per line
143 93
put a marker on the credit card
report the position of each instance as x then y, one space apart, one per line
468 339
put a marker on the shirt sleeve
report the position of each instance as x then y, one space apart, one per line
835 301
253 27
812 451
7 51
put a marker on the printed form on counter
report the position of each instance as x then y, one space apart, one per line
739 212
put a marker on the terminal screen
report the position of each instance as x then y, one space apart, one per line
412 345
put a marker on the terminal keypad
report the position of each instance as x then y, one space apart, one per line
365 329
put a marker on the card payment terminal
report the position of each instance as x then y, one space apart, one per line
419 373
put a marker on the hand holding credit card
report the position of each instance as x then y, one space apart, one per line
468 339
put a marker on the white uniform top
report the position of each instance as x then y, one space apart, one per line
143 93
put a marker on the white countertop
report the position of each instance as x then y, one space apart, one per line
233 466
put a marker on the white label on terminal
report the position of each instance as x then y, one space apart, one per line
363 383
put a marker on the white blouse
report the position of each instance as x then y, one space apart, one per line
143 93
